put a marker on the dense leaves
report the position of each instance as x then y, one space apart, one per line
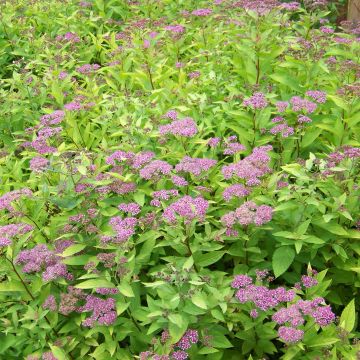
179 180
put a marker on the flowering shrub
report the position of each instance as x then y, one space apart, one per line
172 174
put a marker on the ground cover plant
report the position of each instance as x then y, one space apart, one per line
179 180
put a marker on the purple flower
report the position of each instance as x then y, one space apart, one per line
176 29
236 190
292 6
327 30
88 69
281 106
250 168
290 334
213 142
188 208
12 230
124 229
40 258
179 355
132 208
318 96
52 119
48 356
103 311
241 281
155 169
68 37
185 127
63 75
194 166
165 194
171 114
233 148
50 303
323 315
73 106
146 44
282 129
4 241
38 164
257 101
179 180
299 104
303 119
107 291
194 74
9 197
202 12
254 313
308 281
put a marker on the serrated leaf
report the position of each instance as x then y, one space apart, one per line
95 283
282 259
348 316
126 289
73 249
199 300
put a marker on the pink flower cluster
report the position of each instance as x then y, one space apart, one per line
201 12
135 161
176 29
38 164
318 96
232 147
185 127
9 197
41 259
103 311
299 104
132 208
194 166
68 37
188 208
236 190
261 296
248 213
155 169
251 168
124 229
281 128
294 316
11 230
87 69
256 101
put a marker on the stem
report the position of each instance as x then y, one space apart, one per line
38 227
254 127
21 279
186 242
133 320
150 75
257 69
33 298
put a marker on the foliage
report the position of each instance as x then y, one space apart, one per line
160 160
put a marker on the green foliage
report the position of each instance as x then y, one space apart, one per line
171 277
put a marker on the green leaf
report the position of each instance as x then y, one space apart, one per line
348 316
58 353
73 249
126 289
282 259
199 300
10 286
209 258
286 79
95 283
